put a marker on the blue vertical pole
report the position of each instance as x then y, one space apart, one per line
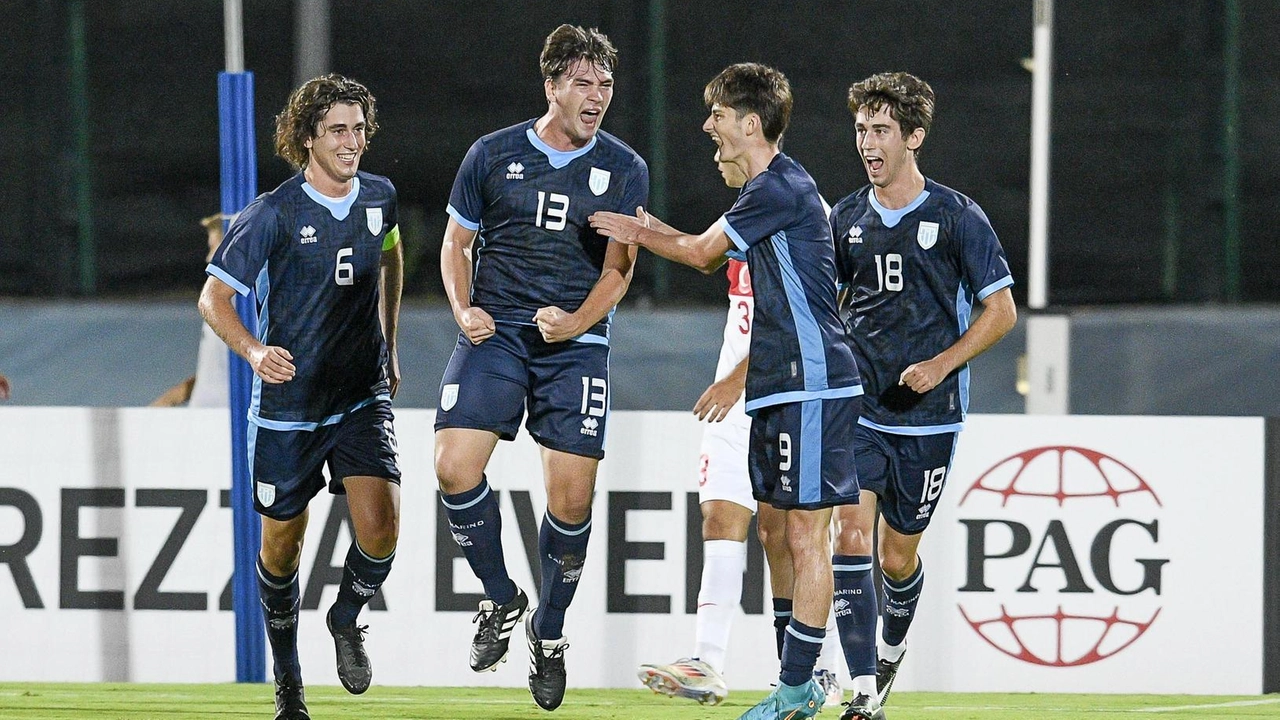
239 186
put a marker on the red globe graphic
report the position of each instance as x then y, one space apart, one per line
1064 478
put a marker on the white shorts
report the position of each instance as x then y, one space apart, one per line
722 470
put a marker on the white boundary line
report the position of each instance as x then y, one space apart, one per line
1235 703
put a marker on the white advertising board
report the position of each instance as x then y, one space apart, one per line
1096 554
1067 554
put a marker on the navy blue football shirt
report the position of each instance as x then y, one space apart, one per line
315 264
529 203
799 349
912 276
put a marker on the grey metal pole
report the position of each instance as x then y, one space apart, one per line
233 32
312 39
1041 101
1231 149
658 133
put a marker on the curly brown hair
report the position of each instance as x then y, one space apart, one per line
753 88
308 105
569 43
909 99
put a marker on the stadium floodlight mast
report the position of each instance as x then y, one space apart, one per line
239 179
1048 333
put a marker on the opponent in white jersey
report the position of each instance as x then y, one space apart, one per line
724 494
722 470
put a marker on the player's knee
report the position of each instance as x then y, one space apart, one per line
571 510
456 477
773 537
897 566
381 541
723 520
850 540
280 553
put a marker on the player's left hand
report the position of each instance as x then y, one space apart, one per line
556 325
923 376
623 228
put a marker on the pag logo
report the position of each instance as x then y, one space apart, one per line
1062 556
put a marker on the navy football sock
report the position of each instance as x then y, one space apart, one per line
476 524
781 618
800 652
361 577
900 604
855 608
562 549
279 598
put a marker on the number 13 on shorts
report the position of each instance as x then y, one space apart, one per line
595 396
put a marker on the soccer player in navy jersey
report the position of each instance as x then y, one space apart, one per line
533 288
914 255
323 253
727 502
802 386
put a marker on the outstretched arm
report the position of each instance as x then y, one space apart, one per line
706 252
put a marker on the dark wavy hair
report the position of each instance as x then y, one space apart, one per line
909 99
753 88
307 106
569 43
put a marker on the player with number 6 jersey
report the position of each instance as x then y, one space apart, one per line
533 287
323 254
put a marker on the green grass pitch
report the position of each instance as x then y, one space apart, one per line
116 701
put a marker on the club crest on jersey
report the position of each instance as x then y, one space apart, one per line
927 235
373 218
266 494
598 182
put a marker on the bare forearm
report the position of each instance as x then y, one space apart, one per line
220 313
607 293
455 272
996 320
691 250
392 276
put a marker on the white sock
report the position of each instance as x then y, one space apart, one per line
865 685
723 562
831 650
890 653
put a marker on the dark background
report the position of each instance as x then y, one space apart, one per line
1138 161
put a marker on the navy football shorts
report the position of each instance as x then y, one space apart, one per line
286 464
801 454
906 472
565 386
